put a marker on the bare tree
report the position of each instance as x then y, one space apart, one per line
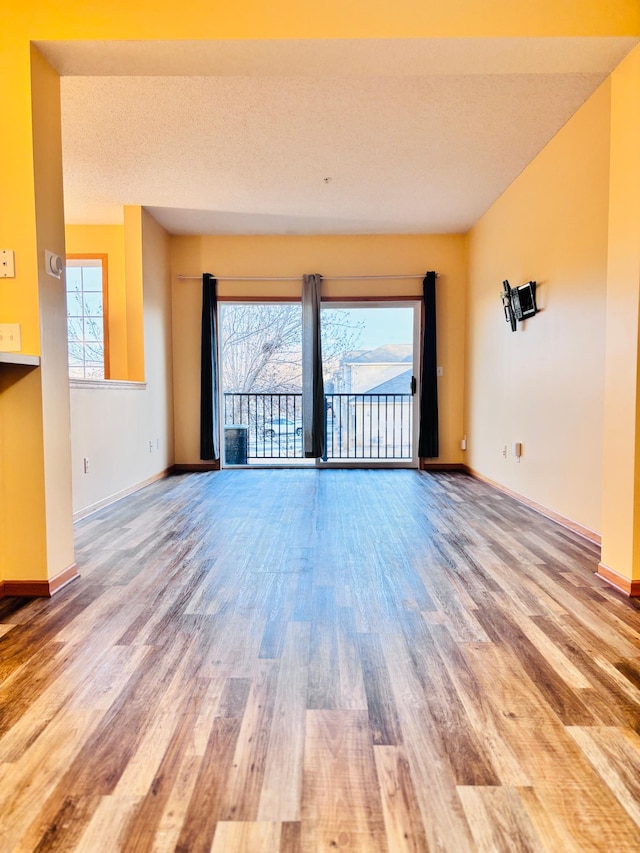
261 347
85 336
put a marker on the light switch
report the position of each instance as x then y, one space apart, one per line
7 264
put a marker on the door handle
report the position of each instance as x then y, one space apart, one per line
414 385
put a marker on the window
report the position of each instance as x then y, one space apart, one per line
86 282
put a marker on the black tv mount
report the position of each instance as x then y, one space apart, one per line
519 303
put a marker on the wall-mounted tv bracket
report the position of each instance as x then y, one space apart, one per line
509 316
519 303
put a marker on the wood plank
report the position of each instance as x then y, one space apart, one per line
402 817
499 821
566 703
615 754
281 789
486 717
445 712
341 803
383 716
324 670
583 818
79 690
553 655
245 777
163 837
31 781
613 700
149 807
444 820
259 837
104 756
208 800
290 838
107 825
535 736
352 694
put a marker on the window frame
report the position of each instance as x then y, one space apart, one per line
104 263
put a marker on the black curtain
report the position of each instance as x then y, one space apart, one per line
209 415
428 441
313 420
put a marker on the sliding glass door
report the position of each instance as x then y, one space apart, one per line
370 378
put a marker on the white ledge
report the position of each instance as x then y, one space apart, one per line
106 385
19 358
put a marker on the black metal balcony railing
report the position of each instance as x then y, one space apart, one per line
273 421
369 426
358 426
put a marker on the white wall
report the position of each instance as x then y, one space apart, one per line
113 424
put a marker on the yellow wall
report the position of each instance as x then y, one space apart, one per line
338 255
134 270
60 19
54 405
544 384
85 240
23 547
125 429
36 537
621 499
19 295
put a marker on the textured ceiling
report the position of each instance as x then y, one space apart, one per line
417 136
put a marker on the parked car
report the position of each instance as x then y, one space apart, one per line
277 427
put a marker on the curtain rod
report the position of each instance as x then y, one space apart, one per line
299 277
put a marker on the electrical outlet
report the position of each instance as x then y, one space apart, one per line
504 451
85 463
10 337
150 447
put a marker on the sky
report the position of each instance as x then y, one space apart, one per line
381 325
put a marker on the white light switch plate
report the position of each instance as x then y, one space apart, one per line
10 337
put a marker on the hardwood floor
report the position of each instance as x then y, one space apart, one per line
322 660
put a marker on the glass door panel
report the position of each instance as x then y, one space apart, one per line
370 378
261 383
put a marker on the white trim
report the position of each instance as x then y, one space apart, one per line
84 262
19 358
107 385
